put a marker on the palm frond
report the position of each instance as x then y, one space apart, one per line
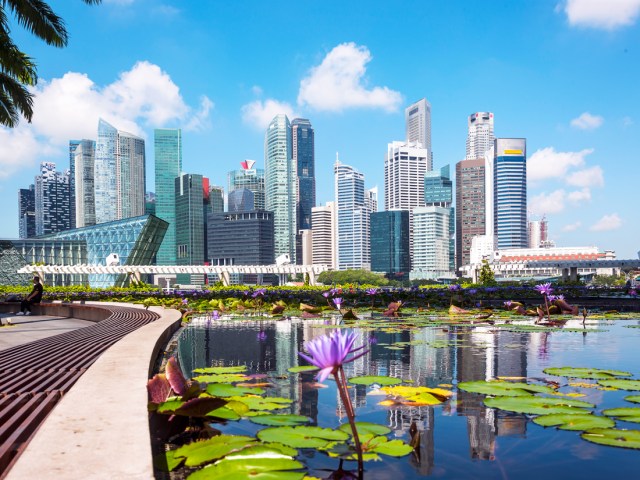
37 17
15 100
15 63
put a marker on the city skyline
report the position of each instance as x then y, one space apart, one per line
564 82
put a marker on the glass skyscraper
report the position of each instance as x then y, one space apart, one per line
27 212
438 192
82 161
251 179
280 185
52 200
189 225
168 165
119 174
302 136
390 243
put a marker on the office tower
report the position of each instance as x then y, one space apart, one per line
167 145
251 179
119 178
470 211
404 169
537 232
353 212
431 243
280 185
82 161
241 200
390 244
507 207
189 225
216 199
324 234
150 203
52 200
417 117
438 192
27 212
480 134
303 152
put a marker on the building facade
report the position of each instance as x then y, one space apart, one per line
438 192
480 134
82 188
52 200
324 235
303 151
390 244
537 231
27 212
189 225
470 213
251 179
432 245
417 117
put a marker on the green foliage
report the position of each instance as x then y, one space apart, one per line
609 280
486 277
352 277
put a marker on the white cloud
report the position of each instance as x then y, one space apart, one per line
258 113
579 196
586 121
589 177
604 14
69 107
548 203
607 223
339 83
257 90
572 227
627 121
547 163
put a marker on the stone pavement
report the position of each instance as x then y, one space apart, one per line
34 327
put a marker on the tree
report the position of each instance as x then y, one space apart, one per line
18 70
487 278
358 277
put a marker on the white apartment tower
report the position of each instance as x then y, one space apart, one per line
480 137
417 117
323 227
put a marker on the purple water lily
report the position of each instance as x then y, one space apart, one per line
337 302
185 301
544 288
259 292
262 336
454 288
215 315
508 304
371 291
329 352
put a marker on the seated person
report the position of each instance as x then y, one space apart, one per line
34 297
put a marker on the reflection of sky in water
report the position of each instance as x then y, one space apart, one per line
459 439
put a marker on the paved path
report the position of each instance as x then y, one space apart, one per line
26 329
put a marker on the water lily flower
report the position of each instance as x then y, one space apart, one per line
326 294
454 288
329 352
371 291
508 304
544 288
259 292
337 302
262 336
185 301
215 315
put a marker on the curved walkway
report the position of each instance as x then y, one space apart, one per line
38 376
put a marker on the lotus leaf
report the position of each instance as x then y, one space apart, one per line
580 422
628 414
538 405
167 461
263 403
380 444
196 407
227 390
224 413
614 437
632 385
262 451
213 448
258 469
159 388
365 428
221 378
175 376
632 398
221 370
280 420
347 452
504 389
419 393
371 379
593 373
303 368
302 437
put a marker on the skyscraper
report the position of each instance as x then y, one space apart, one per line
52 200
417 117
251 179
189 224
480 134
82 188
538 232
432 246
324 234
280 185
27 212
353 210
302 141
73 144
216 198
168 165
470 206
241 200
390 243
119 174
438 192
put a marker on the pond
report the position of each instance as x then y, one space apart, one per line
461 437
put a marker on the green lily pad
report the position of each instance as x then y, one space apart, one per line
227 390
579 422
303 368
384 446
211 449
221 378
593 373
628 414
264 403
365 428
632 398
196 407
614 437
280 420
167 461
538 405
622 384
224 413
371 379
504 389
254 468
302 437
221 370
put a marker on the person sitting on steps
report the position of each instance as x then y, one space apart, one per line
34 297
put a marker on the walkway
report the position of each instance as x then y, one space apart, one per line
35 327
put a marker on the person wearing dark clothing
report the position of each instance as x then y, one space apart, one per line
34 297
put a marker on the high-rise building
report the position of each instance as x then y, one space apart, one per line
438 192
470 206
507 206
417 117
241 200
168 165
52 200
303 151
390 244
119 178
82 161
353 210
189 225
27 212
251 179
537 232
324 234
150 203
431 248
280 185
216 199
480 134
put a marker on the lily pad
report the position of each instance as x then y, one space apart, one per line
221 370
504 389
622 384
628 414
614 437
365 428
255 468
593 373
579 422
227 390
221 378
384 446
211 449
538 405
303 368
302 437
280 420
417 396
371 379
167 461
263 403
632 398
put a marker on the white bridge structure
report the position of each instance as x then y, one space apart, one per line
223 272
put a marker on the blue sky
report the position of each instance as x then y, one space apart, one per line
563 74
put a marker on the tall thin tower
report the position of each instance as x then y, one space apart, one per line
417 117
480 134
